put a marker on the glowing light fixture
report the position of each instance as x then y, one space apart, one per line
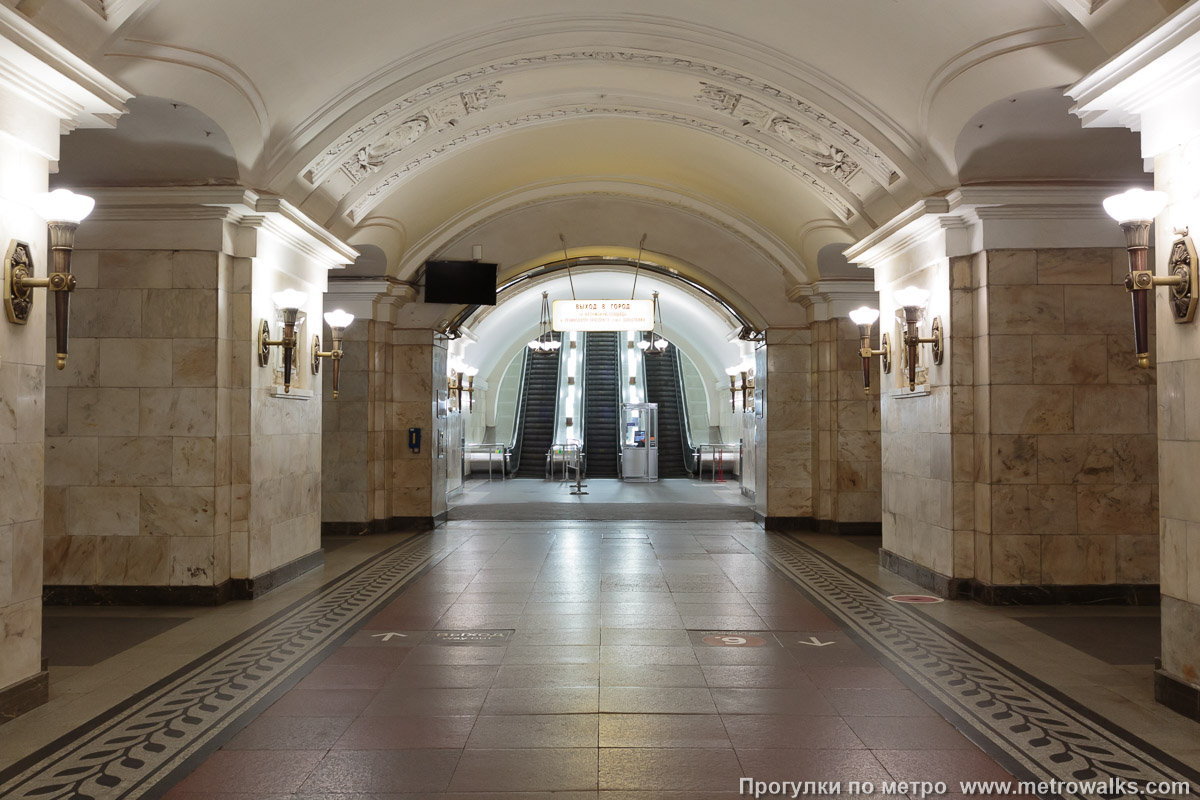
1135 211
63 210
865 318
338 321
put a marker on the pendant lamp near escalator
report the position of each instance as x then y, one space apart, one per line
657 343
545 341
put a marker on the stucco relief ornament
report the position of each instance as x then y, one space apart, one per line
838 164
370 158
830 158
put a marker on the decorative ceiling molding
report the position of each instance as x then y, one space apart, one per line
814 118
375 146
34 66
360 205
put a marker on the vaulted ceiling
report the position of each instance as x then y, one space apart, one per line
785 124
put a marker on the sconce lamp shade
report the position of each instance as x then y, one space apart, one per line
643 344
1135 205
338 318
62 205
660 344
731 371
864 316
912 296
289 298
471 372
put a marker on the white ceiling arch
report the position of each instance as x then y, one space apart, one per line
466 228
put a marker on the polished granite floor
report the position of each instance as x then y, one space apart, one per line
597 660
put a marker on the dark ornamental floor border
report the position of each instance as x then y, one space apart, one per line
126 751
1038 731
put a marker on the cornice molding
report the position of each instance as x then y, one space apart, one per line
1014 216
244 207
1150 86
833 298
37 68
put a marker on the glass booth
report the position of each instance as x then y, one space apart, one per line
639 445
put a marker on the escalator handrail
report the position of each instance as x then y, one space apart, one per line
514 447
685 427
519 427
619 415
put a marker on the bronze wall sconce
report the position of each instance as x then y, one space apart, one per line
460 382
741 381
1135 210
469 388
913 300
289 301
63 211
864 318
338 321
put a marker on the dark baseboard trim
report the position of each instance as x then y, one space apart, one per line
849 528
24 695
1176 694
941 585
250 588
62 595
377 526
1122 594
786 524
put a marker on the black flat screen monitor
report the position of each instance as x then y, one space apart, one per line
465 282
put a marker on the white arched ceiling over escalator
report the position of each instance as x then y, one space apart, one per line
698 326
737 263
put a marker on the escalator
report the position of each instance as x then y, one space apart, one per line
601 403
664 386
538 412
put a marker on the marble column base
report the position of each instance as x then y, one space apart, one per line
1176 694
66 595
1123 594
250 588
24 696
376 526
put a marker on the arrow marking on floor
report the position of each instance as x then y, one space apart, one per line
814 642
388 636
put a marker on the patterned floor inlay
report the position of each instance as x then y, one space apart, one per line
1036 729
125 752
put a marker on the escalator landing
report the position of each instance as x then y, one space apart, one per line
607 499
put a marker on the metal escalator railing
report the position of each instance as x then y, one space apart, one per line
664 387
601 404
538 412
685 422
